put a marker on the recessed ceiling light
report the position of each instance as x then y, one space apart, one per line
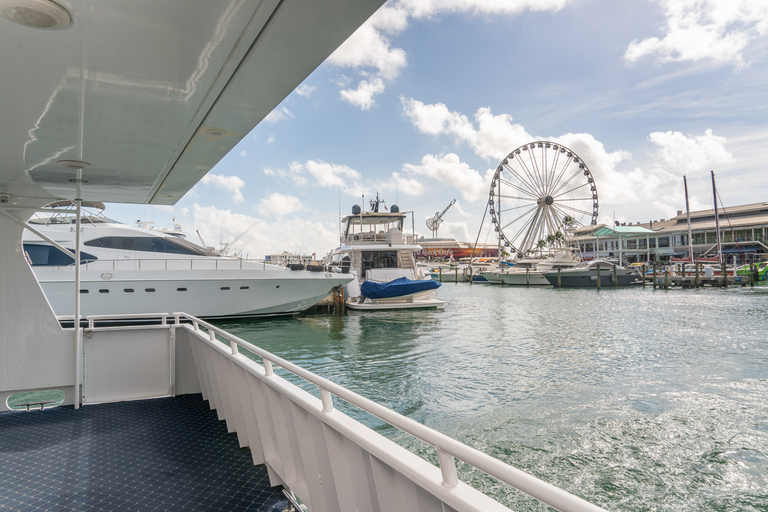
215 132
73 164
35 13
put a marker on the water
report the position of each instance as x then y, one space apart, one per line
634 399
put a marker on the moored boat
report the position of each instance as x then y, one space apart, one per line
374 250
589 273
530 272
132 270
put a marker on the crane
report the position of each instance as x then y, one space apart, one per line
433 223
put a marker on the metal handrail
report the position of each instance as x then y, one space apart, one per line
114 264
448 449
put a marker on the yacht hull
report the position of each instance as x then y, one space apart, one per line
228 294
523 279
589 279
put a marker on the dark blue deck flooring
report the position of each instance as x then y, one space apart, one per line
163 454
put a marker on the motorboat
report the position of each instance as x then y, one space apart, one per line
135 270
374 250
530 272
759 270
587 274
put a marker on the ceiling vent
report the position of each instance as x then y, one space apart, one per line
35 13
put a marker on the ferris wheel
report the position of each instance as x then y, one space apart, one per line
539 192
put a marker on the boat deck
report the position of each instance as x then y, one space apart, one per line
161 454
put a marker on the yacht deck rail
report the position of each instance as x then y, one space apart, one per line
445 486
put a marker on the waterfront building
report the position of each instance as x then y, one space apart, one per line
448 249
743 235
285 258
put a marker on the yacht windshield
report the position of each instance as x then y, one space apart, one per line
169 245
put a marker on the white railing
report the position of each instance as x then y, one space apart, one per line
202 263
329 459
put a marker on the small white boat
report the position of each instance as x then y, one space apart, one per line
589 273
401 293
530 272
374 250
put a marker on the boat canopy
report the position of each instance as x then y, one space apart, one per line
396 288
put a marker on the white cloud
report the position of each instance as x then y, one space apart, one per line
280 205
271 138
291 233
363 96
243 153
451 171
692 153
231 184
305 90
697 30
278 114
369 50
402 185
322 174
493 139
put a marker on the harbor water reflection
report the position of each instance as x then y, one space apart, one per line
634 399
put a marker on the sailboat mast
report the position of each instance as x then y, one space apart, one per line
717 221
688 215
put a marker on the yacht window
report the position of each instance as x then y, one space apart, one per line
48 255
379 259
244 287
83 291
225 287
128 290
103 290
149 290
181 289
171 245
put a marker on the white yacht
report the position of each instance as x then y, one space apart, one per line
135 102
131 270
594 273
376 252
530 272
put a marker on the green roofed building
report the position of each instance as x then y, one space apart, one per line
743 235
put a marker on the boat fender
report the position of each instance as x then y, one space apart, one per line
315 268
352 289
296 266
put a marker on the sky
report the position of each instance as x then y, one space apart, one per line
426 99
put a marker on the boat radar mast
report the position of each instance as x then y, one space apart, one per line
375 203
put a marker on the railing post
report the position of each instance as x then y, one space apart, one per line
234 347
447 469
268 371
327 399
211 335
